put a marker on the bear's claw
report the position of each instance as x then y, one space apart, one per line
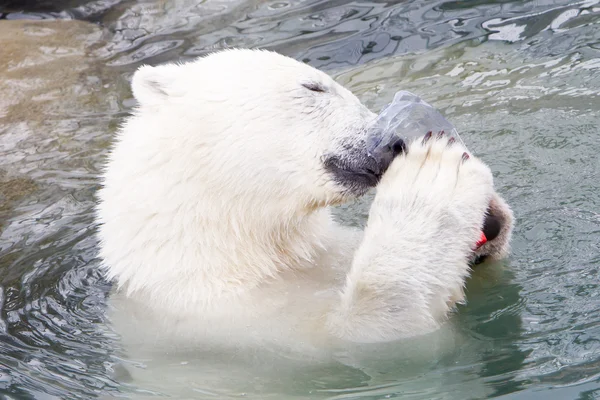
427 137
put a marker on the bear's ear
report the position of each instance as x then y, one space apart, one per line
151 85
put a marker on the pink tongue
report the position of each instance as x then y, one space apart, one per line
482 241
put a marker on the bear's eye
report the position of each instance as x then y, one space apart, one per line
315 87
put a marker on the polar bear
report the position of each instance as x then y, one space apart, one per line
214 221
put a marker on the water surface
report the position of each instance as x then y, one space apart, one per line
519 79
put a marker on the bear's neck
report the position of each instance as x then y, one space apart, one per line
224 256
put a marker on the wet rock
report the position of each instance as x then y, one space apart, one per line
57 108
11 191
40 63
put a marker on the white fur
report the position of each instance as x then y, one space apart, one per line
213 211
186 216
410 269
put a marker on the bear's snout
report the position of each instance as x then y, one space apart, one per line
359 170
386 154
491 226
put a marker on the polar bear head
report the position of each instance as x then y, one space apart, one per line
220 177
259 126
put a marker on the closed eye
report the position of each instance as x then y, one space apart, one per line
315 87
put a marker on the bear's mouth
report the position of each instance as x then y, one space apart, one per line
492 226
360 169
355 177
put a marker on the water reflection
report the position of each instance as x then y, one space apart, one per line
517 78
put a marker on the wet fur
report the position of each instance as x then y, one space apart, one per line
214 225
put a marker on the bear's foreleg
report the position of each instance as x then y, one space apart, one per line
410 268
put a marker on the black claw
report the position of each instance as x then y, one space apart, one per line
465 157
441 134
427 137
451 141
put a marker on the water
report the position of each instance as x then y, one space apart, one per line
519 79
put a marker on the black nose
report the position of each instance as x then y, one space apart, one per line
491 227
385 154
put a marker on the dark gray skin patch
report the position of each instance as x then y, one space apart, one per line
357 170
496 227
355 175
491 226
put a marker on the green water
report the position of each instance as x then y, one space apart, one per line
519 79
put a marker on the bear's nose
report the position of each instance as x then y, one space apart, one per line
385 154
491 226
